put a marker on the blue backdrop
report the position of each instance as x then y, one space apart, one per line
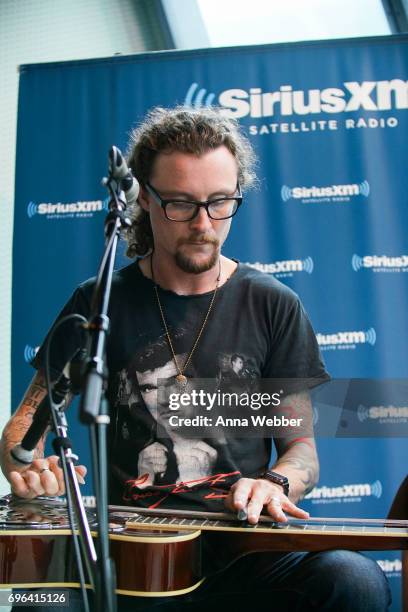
328 121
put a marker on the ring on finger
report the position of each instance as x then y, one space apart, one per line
276 501
47 469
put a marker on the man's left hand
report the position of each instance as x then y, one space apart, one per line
253 495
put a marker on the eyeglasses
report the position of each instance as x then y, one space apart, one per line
185 210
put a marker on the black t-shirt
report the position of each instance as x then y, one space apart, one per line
257 328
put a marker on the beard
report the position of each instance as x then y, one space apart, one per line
199 263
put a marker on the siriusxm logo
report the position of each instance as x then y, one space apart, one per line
383 413
30 352
77 209
346 492
380 263
330 193
197 96
389 566
285 267
286 101
346 339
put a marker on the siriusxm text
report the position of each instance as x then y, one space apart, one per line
73 207
290 265
353 96
381 412
347 337
330 191
383 261
347 490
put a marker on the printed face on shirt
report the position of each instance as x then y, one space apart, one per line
194 245
237 364
156 395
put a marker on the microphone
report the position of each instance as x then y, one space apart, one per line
23 453
119 170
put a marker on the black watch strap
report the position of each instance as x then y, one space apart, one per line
276 479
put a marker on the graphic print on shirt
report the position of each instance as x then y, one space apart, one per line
168 461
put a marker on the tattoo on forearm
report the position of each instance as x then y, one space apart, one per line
308 471
297 452
35 393
17 426
301 457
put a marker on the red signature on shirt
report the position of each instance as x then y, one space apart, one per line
177 488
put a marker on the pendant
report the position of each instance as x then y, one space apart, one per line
181 380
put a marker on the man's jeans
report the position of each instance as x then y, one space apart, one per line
336 581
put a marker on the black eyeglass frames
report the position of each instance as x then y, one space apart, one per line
184 210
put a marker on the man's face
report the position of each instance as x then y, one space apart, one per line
194 245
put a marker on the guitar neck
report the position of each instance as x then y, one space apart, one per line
228 517
358 533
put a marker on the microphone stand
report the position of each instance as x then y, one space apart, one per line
93 406
63 448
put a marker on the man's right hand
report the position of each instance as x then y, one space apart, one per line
41 477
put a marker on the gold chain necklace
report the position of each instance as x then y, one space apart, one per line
181 378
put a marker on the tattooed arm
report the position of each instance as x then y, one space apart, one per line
21 420
297 456
43 476
297 460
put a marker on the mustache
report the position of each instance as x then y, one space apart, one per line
200 238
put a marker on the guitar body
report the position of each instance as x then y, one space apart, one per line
153 564
163 564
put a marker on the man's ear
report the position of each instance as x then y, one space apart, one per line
143 199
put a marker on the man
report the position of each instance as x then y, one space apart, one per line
237 363
192 165
233 375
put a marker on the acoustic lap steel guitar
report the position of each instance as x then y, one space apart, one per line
159 552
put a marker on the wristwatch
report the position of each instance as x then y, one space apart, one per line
276 479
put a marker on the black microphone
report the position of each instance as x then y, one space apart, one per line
119 170
23 453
